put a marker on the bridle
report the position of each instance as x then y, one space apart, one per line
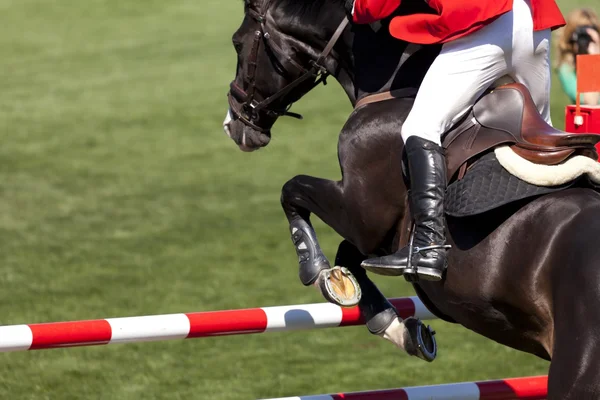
243 103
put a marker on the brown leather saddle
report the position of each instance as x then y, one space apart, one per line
505 115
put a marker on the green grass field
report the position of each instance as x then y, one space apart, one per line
121 196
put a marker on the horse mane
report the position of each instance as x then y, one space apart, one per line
306 8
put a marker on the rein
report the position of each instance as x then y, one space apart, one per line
249 107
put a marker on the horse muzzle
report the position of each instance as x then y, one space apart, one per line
247 138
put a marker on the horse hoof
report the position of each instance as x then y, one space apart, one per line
421 341
339 286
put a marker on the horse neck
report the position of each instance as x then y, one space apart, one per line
366 59
383 63
340 64
378 62
369 60
312 34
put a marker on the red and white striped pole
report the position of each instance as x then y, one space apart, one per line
191 325
529 388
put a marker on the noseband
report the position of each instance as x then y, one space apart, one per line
249 107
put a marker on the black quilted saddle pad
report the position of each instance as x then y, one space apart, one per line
487 185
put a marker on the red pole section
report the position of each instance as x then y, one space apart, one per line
529 388
190 325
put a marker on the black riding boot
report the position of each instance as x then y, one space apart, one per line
427 171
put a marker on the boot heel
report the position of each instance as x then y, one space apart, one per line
429 274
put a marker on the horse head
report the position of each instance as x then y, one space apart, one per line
284 48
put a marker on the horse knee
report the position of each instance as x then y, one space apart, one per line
291 199
288 189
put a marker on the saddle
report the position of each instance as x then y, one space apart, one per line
504 115
507 115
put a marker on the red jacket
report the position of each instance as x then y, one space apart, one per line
452 19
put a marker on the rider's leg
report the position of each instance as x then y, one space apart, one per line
461 73
531 59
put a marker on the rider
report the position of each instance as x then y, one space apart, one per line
482 41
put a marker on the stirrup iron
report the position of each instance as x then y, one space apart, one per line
411 273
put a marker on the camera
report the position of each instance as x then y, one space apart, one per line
582 38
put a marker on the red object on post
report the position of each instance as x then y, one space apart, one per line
590 120
585 119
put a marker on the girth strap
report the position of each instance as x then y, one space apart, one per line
383 96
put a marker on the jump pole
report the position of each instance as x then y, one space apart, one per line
191 325
529 388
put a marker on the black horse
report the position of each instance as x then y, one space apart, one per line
523 274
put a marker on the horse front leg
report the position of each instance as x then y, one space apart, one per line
300 197
357 208
366 227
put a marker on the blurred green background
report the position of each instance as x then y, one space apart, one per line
120 195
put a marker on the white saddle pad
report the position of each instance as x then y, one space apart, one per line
547 175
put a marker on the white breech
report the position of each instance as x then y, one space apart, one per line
468 66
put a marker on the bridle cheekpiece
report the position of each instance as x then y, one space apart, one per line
243 103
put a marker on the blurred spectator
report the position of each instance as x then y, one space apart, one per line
579 36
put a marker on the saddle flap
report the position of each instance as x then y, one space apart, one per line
500 110
508 115
470 141
511 109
